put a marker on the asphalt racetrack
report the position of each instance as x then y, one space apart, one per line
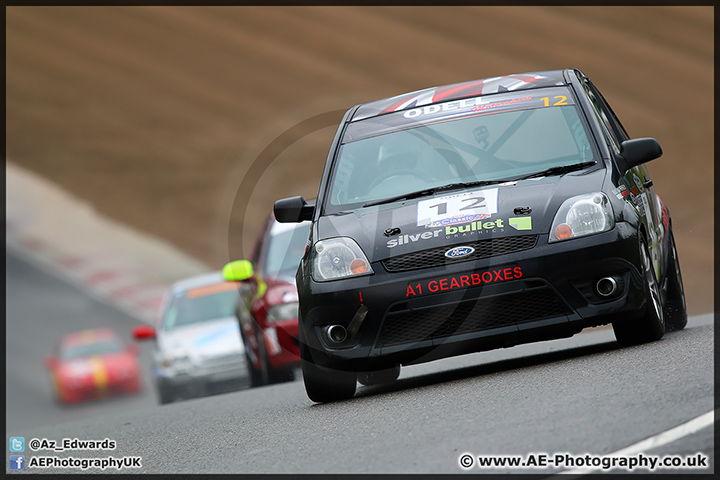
579 395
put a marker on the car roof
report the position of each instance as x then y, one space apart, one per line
202 280
456 91
88 336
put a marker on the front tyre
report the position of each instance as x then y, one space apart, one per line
281 375
675 309
165 394
325 384
651 326
256 379
272 375
259 377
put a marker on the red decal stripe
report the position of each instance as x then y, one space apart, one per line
472 88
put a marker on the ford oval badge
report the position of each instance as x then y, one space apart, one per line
459 252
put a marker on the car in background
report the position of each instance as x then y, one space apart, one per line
198 346
93 364
476 216
268 307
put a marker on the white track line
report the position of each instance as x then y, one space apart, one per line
668 436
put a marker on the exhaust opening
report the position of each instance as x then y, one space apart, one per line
606 286
336 333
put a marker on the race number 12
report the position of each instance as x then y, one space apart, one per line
434 212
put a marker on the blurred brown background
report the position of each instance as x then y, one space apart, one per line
155 115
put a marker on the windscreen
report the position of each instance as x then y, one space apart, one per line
494 138
201 305
285 249
91 349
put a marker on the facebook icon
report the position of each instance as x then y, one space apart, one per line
17 462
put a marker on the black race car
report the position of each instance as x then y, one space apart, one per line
476 216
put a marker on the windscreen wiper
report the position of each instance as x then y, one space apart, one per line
431 191
558 170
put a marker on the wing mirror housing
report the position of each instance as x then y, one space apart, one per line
293 210
637 151
143 332
238 271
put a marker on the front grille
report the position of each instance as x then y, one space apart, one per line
222 360
435 257
223 386
470 316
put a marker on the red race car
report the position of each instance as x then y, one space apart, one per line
93 364
268 305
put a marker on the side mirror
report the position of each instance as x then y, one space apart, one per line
51 362
143 332
637 151
293 210
238 271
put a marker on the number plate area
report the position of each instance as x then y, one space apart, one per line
458 208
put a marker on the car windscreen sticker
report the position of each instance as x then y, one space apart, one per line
456 109
210 289
458 208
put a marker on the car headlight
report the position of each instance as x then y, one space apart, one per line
282 312
337 258
582 215
177 359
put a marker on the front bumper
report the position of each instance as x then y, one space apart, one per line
80 391
205 378
281 344
420 315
